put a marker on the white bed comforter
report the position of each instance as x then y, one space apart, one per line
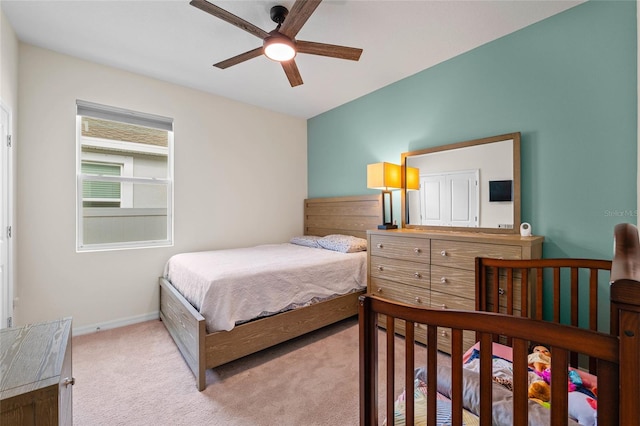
235 285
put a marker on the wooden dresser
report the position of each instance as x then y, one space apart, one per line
35 374
437 268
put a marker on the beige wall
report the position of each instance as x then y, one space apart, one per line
240 179
8 63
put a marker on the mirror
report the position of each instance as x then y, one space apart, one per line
469 186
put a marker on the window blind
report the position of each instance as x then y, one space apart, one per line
98 189
90 109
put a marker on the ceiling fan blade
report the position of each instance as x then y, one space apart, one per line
291 70
298 15
331 50
229 17
239 58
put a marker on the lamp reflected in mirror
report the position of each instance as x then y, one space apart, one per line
412 179
386 177
411 184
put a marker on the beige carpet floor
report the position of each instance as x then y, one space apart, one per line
135 375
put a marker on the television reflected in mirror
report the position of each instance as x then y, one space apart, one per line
466 186
500 190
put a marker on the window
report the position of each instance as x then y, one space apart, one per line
124 171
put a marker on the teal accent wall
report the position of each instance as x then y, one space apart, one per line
567 83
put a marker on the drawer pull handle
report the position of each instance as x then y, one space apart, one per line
418 300
380 268
443 280
417 250
417 274
69 381
379 246
444 306
444 333
443 252
379 289
502 291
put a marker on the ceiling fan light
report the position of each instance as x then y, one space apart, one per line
279 48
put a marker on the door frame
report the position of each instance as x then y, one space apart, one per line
6 217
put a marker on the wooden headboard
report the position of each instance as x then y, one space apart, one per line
342 215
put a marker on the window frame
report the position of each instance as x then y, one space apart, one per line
127 180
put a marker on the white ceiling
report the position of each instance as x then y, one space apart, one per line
176 42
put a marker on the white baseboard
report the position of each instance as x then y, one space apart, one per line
94 328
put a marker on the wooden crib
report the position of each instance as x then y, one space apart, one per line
614 356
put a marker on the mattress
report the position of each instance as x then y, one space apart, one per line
232 286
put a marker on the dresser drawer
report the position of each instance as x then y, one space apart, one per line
403 271
398 247
462 254
392 290
448 301
459 282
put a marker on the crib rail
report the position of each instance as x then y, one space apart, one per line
573 287
562 339
615 356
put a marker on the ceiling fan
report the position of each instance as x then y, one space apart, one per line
280 44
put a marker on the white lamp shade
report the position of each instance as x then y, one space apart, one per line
384 176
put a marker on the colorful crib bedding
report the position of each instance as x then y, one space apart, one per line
443 407
229 287
582 401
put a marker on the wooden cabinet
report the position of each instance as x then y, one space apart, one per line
437 269
35 374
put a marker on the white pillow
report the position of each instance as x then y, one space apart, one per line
306 240
343 243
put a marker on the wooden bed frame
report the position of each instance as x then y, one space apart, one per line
202 350
614 356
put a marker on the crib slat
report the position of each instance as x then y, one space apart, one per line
456 377
520 382
486 379
593 299
524 292
574 298
539 285
574 309
556 295
409 366
593 312
432 377
509 298
495 289
608 393
510 291
391 362
481 285
559 391
368 363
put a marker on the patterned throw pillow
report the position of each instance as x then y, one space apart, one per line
343 243
306 240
